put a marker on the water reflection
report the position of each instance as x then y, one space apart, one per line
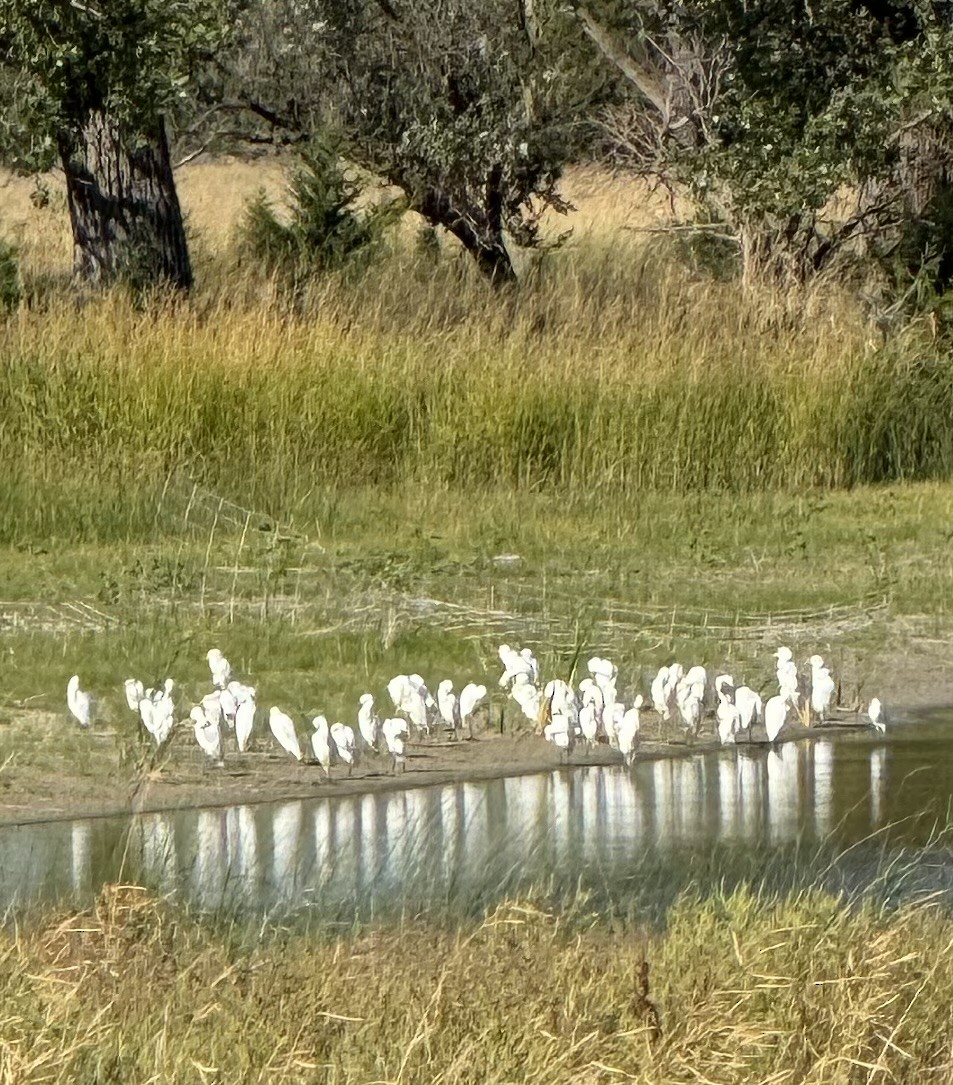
405 849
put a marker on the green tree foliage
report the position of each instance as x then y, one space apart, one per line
63 60
88 83
804 131
464 107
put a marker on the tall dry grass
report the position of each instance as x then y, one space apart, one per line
740 988
616 370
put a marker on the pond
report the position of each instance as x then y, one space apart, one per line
853 811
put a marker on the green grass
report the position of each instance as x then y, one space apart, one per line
742 987
649 382
324 489
389 583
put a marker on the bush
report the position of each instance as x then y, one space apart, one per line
325 232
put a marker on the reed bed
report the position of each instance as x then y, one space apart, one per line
594 380
740 987
618 369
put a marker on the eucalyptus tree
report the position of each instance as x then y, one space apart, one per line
89 84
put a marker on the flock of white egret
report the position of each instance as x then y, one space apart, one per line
591 713
230 709
594 712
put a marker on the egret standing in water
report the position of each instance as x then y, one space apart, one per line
628 730
283 728
877 716
79 702
775 716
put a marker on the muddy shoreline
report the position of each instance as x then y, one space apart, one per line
185 781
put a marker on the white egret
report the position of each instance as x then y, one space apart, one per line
228 705
79 702
561 697
725 687
163 717
823 687
527 696
526 654
728 721
591 694
789 685
689 708
749 706
659 692
158 717
561 731
368 722
220 668
612 717
448 706
212 705
208 734
395 735
244 722
322 744
343 738
877 715
628 730
283 728
134 693
602 670
775 716
516 663
470 698
146 713
411 696
589 723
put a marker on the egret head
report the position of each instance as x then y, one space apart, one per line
784 655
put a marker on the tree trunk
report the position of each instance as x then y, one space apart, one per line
125 214
479 231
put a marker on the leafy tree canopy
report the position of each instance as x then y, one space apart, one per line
62 60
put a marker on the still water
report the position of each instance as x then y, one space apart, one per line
857 811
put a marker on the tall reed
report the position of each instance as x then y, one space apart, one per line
595 379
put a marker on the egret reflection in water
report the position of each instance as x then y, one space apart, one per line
367 854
